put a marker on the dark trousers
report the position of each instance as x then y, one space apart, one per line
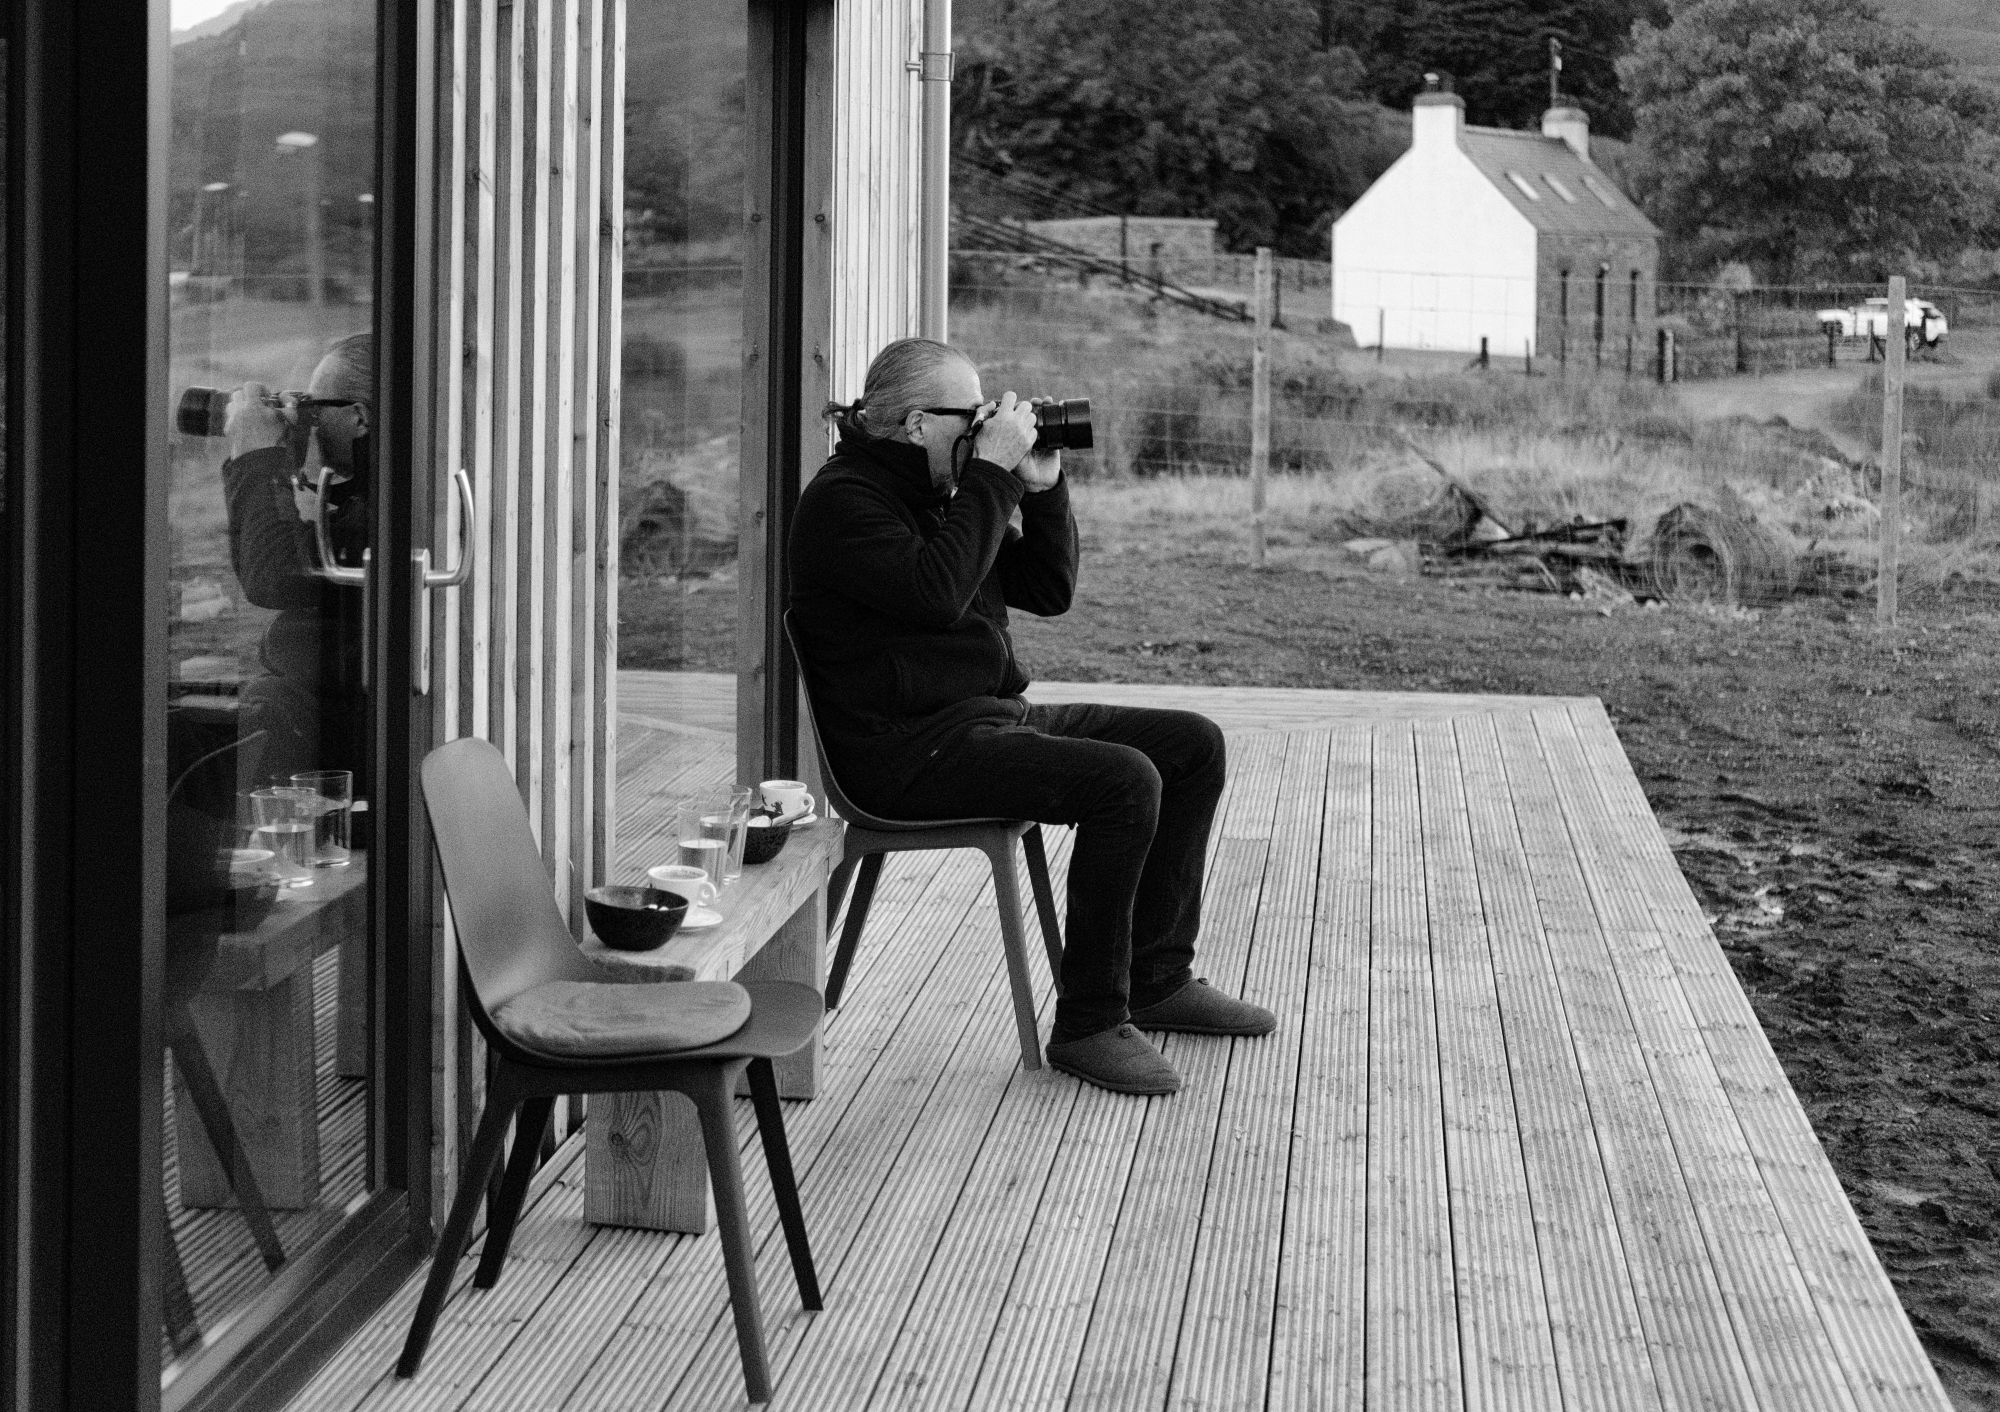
1141 786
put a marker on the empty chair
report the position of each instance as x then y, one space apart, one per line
556 1026
869 839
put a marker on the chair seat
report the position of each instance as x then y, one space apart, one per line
611 1020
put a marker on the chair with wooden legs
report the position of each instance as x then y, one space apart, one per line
871 838
556 1025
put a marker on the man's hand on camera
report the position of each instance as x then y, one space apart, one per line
1006 435
1039 469
251 423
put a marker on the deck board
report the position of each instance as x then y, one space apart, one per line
1518 1143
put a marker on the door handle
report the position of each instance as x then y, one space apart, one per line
457 574
329 568
428 578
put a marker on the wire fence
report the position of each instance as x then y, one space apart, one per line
1566 472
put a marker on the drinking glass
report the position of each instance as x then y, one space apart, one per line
738 802
285 819
703 835
333 791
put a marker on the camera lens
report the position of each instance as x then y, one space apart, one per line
203 411
1063 426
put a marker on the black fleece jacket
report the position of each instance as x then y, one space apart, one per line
899 598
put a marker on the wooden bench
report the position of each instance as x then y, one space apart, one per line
643 1152
254 1012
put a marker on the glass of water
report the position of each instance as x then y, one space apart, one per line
704 838
285 819
333 790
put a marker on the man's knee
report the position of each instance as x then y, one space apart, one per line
1128 791
1205 751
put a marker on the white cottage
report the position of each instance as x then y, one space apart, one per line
1514 238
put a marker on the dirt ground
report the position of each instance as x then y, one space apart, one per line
1832 793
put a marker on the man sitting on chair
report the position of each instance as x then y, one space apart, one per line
903 565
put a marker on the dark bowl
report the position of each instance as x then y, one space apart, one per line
761 845
633 918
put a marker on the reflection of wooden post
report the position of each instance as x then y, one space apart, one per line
1260 405
1889 547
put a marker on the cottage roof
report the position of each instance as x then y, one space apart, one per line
1550 183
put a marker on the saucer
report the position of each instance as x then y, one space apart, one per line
805 819
700 919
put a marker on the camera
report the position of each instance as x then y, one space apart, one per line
204 411
341 424
1063 426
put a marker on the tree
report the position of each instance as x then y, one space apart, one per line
1496 53
1223 108
1809 139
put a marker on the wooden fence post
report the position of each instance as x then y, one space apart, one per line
1889 542
1260 405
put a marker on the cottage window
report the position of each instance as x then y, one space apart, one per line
1556 185
1527 187
1600 191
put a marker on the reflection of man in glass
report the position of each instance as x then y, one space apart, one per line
310 701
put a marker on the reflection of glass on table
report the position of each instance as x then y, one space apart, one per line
333 814
284 819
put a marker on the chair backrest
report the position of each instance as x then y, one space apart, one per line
511 935
834 793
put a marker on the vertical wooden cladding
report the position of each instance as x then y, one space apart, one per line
528 249
877 130
529 230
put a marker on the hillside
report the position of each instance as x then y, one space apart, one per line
1969 30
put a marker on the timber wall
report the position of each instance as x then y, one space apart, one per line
529 225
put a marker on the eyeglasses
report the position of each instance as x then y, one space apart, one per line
969 413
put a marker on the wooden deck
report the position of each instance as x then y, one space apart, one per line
1517 1144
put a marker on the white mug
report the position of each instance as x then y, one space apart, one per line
684 880
786 796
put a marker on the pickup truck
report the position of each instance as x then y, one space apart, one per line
1923 322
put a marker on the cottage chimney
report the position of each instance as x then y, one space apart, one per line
1436 117
1572 125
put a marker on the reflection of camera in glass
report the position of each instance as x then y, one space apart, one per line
1063 426
340 424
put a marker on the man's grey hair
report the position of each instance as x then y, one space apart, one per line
347 369
902 377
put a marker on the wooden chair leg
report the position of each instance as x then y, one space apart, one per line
1045 900
836 887
850 934
1014 937
732 1217
184 1043
502 1100
504 1209
784 1184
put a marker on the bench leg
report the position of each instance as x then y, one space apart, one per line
260 1043
643 1165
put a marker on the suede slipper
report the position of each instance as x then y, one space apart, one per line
1120 1059
1199 1008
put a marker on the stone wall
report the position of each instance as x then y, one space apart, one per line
1569 329
1176 248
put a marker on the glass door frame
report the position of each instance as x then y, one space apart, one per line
84 773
